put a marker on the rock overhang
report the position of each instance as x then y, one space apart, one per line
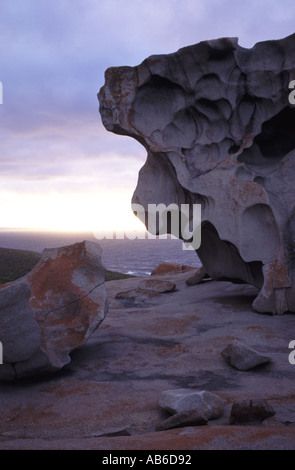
217 125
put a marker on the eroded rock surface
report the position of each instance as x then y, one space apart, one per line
218 128
52 310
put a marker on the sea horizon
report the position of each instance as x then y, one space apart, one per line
137 256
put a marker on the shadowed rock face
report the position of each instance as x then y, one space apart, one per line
218 128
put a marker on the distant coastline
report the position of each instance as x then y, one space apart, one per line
136 257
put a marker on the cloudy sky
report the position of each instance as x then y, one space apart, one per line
60 169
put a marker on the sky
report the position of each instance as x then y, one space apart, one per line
60 168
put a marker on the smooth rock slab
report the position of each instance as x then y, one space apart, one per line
205 404
242 357
52 310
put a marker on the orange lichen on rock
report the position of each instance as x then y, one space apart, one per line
65 302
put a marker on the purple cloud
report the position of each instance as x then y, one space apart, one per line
53 58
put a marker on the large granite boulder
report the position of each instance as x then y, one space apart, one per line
218 127
52 310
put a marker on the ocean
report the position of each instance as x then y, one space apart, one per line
138 257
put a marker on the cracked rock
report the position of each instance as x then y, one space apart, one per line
52 310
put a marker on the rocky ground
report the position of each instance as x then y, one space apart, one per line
108 396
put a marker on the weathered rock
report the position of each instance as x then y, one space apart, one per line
164 268
218 127
180 420
200 403
52 310
247 411
157 286
242 357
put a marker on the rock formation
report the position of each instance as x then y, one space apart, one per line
52 310
218 127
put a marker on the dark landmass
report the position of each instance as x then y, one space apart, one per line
17 263
115 276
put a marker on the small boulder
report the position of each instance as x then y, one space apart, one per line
247 411
242 357
201 403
